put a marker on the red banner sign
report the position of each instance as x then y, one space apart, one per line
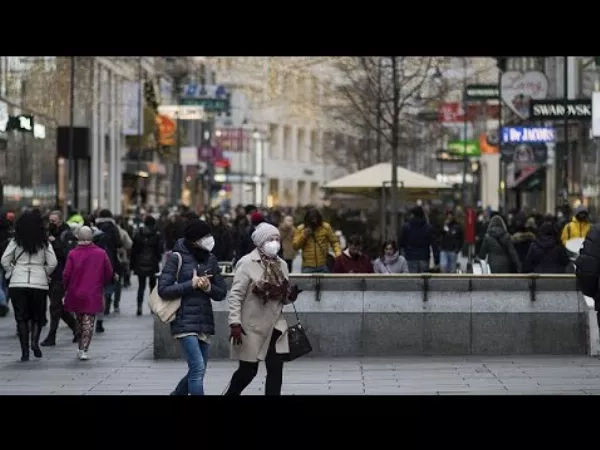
454 112
233 139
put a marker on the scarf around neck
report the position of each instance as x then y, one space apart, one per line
273 285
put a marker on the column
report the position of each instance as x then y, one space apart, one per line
114 144
95 162
120 138
294 149
102 120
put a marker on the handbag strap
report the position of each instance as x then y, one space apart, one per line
179 264
296 311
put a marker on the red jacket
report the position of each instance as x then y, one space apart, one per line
347 264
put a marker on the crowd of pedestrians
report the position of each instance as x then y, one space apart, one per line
76 268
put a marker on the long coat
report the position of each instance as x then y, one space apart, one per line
257 319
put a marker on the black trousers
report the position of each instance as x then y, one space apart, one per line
57 308
30 305
246 372
289 263
142 286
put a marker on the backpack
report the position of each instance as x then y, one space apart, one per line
165 310
146 258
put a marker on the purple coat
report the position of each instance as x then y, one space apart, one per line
87 270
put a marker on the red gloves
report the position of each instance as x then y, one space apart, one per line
235 333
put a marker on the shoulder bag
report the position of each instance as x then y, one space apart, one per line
298 340
165 310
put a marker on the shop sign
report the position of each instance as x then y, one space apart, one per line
559 109
519 88
520 135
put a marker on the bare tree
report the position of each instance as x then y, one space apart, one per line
383 93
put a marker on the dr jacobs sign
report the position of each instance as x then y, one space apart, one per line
520 135
560 109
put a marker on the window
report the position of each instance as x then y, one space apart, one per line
302 145
287 142
314 146
274 150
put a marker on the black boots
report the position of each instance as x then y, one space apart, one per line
67 318
36 330
139 309
107 304
99 327
50 340
23 333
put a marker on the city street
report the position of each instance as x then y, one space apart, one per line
121 364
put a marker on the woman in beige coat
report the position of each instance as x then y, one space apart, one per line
259 291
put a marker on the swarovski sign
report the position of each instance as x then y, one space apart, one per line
560 109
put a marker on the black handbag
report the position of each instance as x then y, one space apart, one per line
298 340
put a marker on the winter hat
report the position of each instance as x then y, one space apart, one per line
196 229
264 231
85 234
256 218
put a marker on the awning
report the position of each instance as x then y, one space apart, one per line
529 177
373 179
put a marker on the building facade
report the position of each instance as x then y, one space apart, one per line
278 101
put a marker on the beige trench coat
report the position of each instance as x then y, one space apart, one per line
257 319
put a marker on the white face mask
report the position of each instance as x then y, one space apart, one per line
207 243
271 248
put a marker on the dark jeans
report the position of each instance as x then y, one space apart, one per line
57 309
142 286
246 372
195 353
289 263
418 266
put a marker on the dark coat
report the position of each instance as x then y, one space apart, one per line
195 314
223 243
146 251
546 254
522 241
60 250
417 239
499 249
110 241
451 239
588 264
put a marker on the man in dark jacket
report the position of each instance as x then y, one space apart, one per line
451 242
145 257
111 243
198 284
587 266
417 239
546 254
56 291
246 245
223 240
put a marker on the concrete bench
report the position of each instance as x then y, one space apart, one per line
390 315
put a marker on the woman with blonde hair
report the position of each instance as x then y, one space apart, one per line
258 329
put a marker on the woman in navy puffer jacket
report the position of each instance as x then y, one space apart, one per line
199 282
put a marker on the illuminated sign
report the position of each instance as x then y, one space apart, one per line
520 135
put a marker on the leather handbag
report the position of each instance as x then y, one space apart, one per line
298 340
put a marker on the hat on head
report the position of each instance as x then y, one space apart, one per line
256 218
196 229
85 234
264 231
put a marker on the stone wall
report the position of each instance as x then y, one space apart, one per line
383 315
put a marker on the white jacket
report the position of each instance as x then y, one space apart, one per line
28 270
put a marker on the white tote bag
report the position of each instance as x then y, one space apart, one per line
166 310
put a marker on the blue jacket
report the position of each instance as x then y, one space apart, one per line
417 239
195 314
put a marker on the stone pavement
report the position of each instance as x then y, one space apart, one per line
121 364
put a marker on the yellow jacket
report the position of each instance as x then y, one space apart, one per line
575 229
316 247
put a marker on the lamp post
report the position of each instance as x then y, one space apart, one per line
465 130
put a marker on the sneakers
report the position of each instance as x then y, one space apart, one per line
82 355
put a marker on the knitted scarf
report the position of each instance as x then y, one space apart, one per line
273 286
